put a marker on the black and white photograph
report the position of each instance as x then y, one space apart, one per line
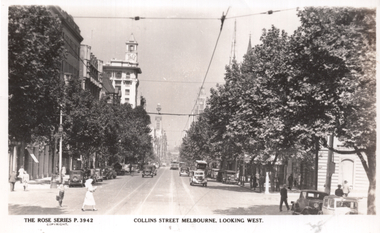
189 115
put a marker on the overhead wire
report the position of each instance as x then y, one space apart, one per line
222 19
182 18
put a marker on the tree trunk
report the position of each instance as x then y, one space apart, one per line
371 201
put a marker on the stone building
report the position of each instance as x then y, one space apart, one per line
124 73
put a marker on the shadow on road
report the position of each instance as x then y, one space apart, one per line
253 210
34 210
234 188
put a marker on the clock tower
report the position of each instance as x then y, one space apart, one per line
131 51
124 74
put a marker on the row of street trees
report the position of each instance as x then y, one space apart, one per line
37 93
291 92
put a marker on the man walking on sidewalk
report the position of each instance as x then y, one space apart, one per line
284 197
12 180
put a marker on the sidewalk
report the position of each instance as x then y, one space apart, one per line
43 183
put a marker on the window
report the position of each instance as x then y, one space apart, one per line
127 100
117 82
127 83
117 88
331 203
325 202
127 92
118 75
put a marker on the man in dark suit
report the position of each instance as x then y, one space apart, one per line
12 180
339 191
284 197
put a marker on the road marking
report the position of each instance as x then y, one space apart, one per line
122 200
151 190
171 198
191 197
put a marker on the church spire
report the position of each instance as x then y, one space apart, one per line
249 44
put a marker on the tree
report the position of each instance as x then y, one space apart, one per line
333 84
35 52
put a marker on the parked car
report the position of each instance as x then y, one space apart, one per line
149 170
309 202
109 173
198 177
135 168
335 205
119 169
76 178
229 177
184 171
214 173
97 176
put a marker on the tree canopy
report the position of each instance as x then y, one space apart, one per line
292 91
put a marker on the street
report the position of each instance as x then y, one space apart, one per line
164 194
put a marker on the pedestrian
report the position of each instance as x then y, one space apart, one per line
290 180
20 173
284 197
25 180
63 171
130 169
339 191
254 183
61 194
346 188
89 198
12 180
261 183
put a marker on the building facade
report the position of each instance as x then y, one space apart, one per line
124 73
43 163
90 71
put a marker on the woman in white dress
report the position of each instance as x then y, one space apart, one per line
89 198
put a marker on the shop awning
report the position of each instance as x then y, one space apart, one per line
32 155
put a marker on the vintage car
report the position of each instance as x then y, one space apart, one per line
97 175
184 171
309 202
76 178
198 177
109 173
335 205
119 169
214 173
229 177
149 170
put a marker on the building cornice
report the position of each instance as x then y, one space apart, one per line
121 68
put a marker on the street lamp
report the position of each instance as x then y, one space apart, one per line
60 132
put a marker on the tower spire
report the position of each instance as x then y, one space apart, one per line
233 46
249 44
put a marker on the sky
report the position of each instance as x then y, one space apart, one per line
176 42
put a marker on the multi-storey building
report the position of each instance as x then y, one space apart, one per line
90 71
124 73
41 163
73 39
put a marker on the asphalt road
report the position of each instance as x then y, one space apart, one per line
164 194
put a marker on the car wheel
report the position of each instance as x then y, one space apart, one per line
305 212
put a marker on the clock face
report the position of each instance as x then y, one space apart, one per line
131 57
